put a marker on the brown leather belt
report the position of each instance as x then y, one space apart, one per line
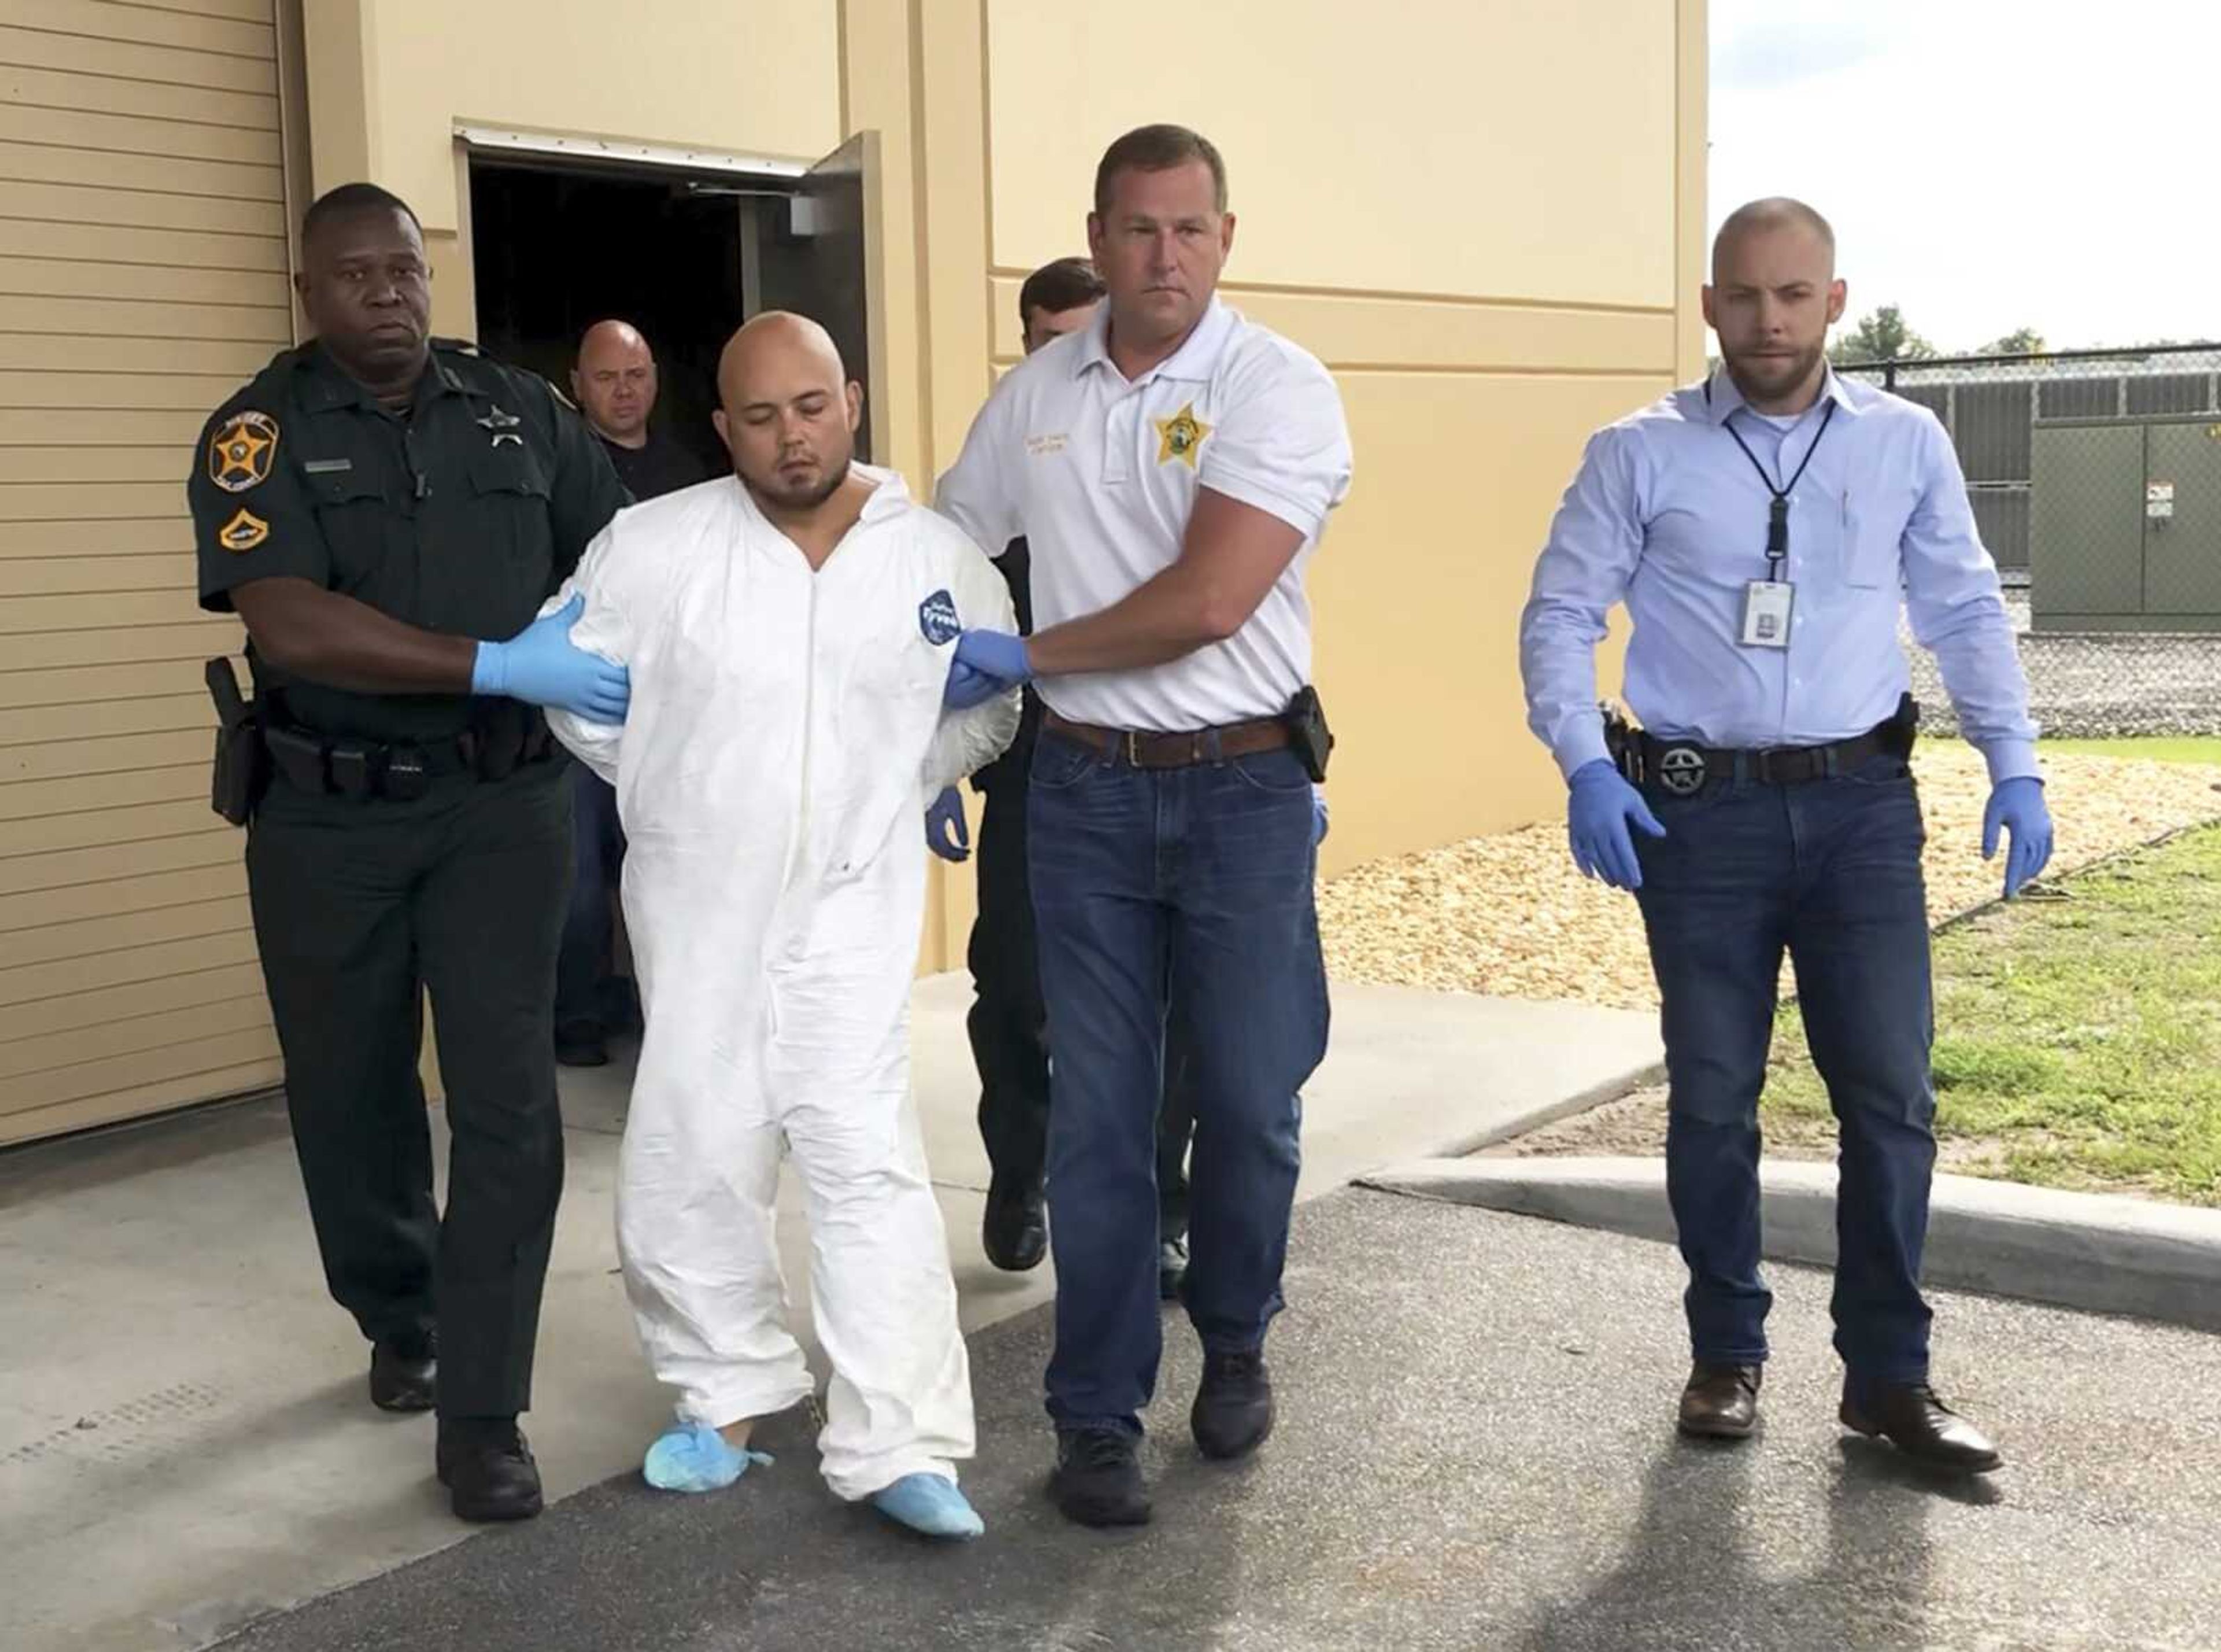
1143 749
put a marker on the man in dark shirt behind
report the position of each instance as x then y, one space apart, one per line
615 382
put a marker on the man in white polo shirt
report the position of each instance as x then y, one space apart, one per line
1172 466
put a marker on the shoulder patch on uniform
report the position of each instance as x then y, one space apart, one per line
242 452
936 618
243 532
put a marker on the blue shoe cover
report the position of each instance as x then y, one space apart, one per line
931 1504
694 1457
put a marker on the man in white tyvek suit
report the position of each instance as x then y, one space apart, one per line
788 632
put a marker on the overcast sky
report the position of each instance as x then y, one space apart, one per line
1988 164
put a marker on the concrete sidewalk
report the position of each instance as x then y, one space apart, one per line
1475 1451
185 1440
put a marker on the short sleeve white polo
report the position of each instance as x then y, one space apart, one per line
1099 474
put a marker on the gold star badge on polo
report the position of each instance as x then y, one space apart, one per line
239 454
243 532
1179 436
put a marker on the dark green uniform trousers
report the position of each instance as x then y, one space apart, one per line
359 906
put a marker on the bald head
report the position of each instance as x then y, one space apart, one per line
615 382
1771 215
1773 295
790 412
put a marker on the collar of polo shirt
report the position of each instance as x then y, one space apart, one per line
1195 358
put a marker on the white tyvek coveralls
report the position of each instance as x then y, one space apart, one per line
785 737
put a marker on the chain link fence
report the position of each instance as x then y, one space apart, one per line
2095 477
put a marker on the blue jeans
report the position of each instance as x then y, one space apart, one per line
1201 878
1828 871
583 967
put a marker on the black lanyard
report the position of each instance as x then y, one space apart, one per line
1777 513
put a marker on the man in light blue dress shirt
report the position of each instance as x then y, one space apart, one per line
1763 527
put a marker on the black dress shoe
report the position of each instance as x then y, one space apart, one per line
1014 1230
1171 1268
404 1373
1912 1418
1097 1481
1233 1410
581 1043
1721 1401
487 1468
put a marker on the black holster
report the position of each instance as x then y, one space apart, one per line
1308 734
240 773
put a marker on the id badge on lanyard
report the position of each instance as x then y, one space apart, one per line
1769 604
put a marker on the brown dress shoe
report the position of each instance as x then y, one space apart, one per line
1912 1418
1721 1402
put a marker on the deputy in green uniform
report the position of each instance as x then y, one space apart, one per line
376 505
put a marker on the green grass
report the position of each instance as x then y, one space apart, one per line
2078 1040
2160 748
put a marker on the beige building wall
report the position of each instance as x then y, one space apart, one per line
1487 220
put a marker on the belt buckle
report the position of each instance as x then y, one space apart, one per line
1681 770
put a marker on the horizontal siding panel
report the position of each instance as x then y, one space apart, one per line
36 800
88 1078
154 463
224 935
33 1122
246 11
140 824
139 208
84 685
269 325
125 931
43 163
130 134
101 719
45 278
23 502
98 536
36 913
180 430
81 1047
54 89
235 360
217 634
109 1003
108 20
22 874
113 243
78 53
61 760
40 576
198 394
90 613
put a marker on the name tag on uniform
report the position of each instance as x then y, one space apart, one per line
1766 607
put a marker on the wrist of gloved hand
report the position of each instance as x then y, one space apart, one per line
490 669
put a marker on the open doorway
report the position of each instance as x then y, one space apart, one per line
686 257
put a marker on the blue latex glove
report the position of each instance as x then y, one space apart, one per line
986 664
946 833
540 666
1319 821
1597 817
2018 806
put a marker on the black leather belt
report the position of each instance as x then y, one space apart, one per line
400 771
1681 768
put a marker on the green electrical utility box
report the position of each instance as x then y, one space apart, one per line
2124 524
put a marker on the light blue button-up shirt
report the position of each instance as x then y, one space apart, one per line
1667 513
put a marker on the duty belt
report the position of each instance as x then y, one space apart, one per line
1141 748
1680 769
401 771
